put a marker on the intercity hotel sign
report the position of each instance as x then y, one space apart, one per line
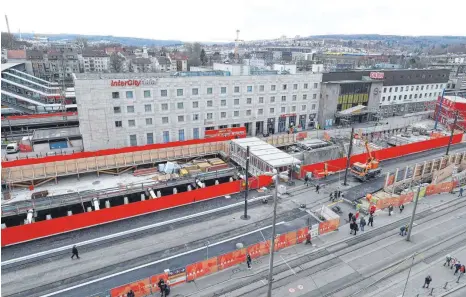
132 82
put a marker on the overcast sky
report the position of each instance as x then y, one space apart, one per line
217 20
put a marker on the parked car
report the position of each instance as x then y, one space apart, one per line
12 148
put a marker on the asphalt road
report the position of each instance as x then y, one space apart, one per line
189 254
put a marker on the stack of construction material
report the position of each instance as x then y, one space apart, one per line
145 171
217 164
203 166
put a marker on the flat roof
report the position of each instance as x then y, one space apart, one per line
266 152
49 134
6 66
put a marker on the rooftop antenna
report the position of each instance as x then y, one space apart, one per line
7 24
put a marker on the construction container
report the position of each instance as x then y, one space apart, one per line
204 166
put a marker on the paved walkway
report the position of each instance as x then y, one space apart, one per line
215 283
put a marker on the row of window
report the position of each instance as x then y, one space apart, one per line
410 96
195 91
210 116
421 87
195 104
133 140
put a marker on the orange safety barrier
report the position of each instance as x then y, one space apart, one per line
259 249
200 269
328 226
154 280
384 154
285 240
439 188
17 234
403 199
301 234
177 276
140 288
231 259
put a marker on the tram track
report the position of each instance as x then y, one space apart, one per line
328 257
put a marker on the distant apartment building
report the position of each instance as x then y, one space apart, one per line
117 110
94 61
163 64
63 64
141 65
179 62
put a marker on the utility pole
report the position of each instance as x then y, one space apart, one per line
409 273
349 156
272 244
414 213
452 132
245 216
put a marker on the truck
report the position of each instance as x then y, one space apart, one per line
368 170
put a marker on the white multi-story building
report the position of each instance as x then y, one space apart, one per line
95 61
117 110
407 91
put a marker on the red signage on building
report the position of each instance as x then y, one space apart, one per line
377 75
132 82
287 115
237 131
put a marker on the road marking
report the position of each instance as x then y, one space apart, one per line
288 265
291 290
300 287
152 263
123 233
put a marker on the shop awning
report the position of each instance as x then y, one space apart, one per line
353 110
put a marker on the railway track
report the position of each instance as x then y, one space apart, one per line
329 256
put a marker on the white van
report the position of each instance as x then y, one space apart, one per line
12 148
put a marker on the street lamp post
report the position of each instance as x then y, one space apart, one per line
276 177
408 238
246 192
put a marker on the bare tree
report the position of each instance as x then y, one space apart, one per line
116 63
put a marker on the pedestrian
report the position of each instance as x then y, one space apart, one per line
362 223
335 194
401 208
371 221
427 281
461 192
390 209
452 263
339 193
75 252
457 267
351 226
402 230
350 216
317 188
308 239
356 228
248 261
447 261
462 270
161 285
331 196
306 180
130 293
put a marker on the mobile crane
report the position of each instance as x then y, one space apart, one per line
368 170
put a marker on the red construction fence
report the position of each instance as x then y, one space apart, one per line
108 152
17 234
383 154
429 190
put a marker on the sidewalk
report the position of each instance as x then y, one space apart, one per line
216 282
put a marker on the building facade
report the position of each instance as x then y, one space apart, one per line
95 61
138 109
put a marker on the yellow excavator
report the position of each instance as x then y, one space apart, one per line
368 170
